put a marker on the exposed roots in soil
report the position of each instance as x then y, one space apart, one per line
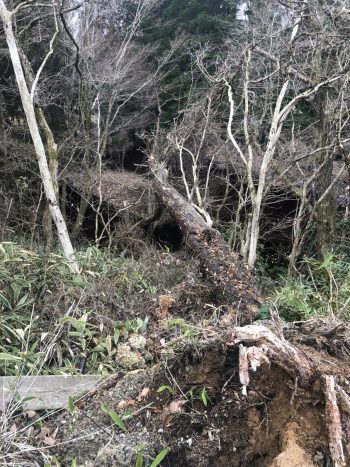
248 396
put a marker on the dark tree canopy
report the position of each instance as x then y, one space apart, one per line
208 20
198 22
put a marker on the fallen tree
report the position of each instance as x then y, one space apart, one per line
230 277
257 344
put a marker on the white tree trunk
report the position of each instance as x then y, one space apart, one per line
275 131
29 110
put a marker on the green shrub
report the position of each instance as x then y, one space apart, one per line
322 288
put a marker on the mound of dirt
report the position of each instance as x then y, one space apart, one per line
292 454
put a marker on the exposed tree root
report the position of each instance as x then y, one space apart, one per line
335 431
294 410
269 348
294 361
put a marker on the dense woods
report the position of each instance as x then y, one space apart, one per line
175 187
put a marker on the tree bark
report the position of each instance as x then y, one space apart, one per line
325 213
231 278
53 169
29 111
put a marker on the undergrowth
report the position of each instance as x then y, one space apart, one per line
57 322
54 321
322 287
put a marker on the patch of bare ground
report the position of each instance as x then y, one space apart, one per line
293 410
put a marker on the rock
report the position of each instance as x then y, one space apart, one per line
119 455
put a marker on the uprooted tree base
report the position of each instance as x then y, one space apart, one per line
290 415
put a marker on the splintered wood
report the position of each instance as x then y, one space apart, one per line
333 422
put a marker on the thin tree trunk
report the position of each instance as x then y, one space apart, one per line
29 110
325 214
83 206
63 200
53 169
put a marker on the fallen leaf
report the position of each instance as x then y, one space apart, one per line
175 407
44 432
165 303
143 394
122 404
13 428
79 403
49 441
131 402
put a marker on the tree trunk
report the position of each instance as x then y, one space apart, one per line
231 278
83 206
326 211
51 147
325 215
29 110
53 169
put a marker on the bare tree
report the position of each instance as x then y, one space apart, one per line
28 106
266 85
116 84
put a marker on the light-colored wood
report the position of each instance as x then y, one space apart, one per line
48 392
29 110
